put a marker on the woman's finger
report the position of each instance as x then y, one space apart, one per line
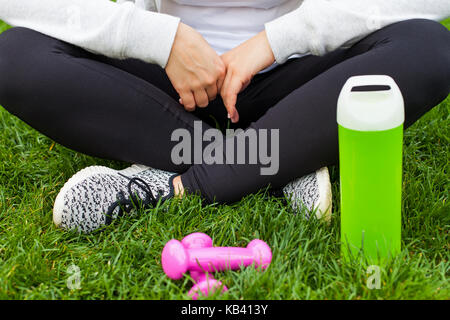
187 100
211 91
231 88
220 82
201 98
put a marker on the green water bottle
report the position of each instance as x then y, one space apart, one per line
370 116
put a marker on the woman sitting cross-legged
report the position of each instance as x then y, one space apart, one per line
148 83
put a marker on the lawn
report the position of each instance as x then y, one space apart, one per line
124 261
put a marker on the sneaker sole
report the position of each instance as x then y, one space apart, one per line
325 194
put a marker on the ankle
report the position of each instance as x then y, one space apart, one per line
178 187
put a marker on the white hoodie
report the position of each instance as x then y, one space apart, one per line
125 30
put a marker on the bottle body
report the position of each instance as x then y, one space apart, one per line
370 116
371 184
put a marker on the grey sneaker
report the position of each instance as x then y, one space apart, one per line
312 192
95 196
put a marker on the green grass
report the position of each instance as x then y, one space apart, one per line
124 262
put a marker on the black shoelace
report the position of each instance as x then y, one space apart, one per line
125 205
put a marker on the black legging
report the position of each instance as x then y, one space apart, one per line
127 109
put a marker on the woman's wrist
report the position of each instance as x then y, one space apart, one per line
264 48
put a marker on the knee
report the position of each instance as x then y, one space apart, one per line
424 36
14 44
12 49
427 44
421 48
16 51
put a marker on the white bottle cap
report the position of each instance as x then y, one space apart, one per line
370 110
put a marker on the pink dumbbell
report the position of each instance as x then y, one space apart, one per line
177 260
204 281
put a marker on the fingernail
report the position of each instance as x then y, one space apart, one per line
229 117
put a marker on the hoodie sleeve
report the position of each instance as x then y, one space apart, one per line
321 26
117 30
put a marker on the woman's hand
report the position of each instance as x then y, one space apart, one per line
242 63
194 68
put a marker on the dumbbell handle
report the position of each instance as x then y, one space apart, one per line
220 258
177 260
